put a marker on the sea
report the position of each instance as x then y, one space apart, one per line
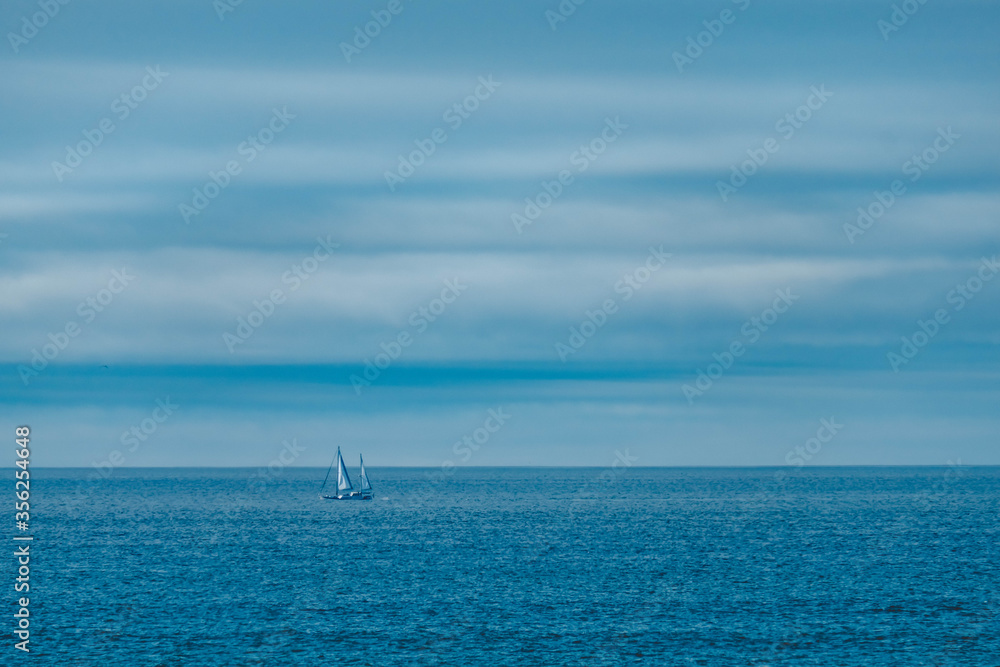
513 566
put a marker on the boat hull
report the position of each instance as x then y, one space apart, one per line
350 496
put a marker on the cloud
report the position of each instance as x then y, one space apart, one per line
324 177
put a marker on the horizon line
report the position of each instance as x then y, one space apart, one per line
850 465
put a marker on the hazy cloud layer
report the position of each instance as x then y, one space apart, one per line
650 152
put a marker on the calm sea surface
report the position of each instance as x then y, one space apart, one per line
515 566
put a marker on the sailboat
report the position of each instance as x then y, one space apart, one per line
346 490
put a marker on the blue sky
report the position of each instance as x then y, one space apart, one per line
307 218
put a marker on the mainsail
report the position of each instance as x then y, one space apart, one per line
365 484
343 479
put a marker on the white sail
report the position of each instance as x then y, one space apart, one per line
343 479
365 484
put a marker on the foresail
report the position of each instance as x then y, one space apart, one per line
365 484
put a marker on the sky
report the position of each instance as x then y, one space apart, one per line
686 233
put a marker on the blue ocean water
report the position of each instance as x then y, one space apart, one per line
517 566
